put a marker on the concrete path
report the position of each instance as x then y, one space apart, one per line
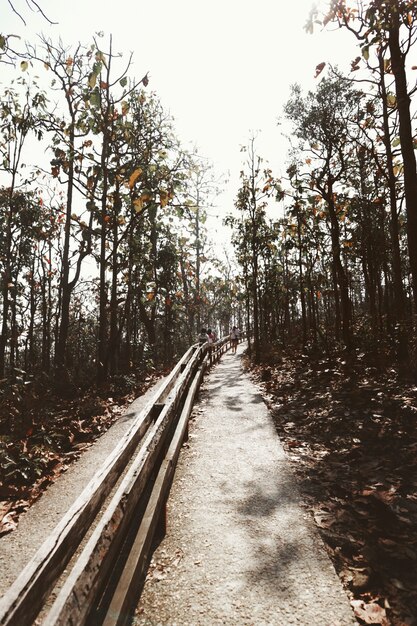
240 549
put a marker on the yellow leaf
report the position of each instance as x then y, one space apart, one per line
145 197
163 195
150 295
134 176
24 65
138 205
398 169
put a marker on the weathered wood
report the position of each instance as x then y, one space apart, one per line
90 572
24 599
125 596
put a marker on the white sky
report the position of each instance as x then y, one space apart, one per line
223 68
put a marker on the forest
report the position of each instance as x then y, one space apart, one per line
330 294
108 274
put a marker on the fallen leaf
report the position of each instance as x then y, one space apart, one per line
371 613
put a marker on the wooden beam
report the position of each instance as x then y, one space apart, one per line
23 600
89 575
125 597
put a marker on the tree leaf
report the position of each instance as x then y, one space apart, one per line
134 176
123 81
92 79
319 68
95 98
138 205
24 66
371 613
163 196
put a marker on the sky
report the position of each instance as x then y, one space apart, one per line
222 68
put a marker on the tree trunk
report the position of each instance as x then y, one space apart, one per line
399 295
340 273
65 299
407 147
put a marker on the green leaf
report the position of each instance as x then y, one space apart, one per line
92 79
24 66
365 52
97 67
396 142
100 57
95 98
123 81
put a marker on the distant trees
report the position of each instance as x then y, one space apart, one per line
251 235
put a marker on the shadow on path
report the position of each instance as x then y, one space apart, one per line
249 553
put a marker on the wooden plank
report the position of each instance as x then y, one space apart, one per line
92 567
24 599
125 597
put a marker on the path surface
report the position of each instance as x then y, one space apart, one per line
240 549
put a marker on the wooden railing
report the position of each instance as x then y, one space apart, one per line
102 585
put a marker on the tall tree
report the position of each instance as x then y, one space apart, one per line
251 233
19 117
390 26
321 121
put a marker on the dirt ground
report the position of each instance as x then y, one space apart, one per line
35 524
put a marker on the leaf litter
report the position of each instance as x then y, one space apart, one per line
42 434
350 432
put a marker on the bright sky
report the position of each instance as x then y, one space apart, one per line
223 68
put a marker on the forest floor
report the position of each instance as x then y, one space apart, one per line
350 432
42 434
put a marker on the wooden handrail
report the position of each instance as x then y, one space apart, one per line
155 438
24 599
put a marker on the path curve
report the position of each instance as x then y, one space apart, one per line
239 549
